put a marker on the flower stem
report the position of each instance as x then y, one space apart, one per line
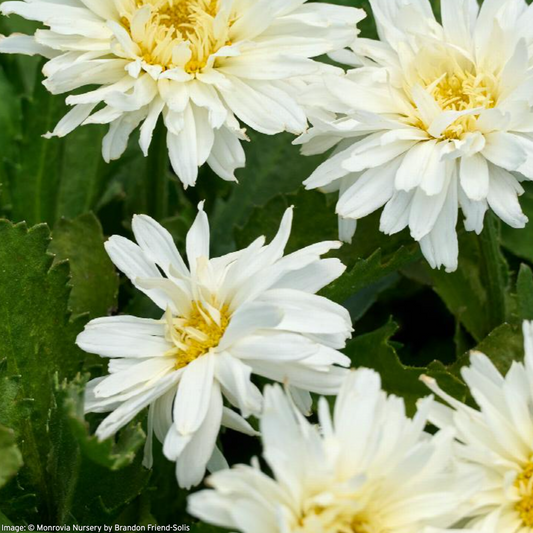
157 175
495 269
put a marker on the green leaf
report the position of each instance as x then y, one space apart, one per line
375 350
21 70
524 288
94 279
372 256
84 472
83 173
273 166
52 178
477 293
503 346
314 220
110 454
37 340
10 127
367 272
10 456
34 177
4 520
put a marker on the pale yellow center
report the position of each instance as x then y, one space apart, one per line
173 29
524 484
196 334
462 91
337 519
182 14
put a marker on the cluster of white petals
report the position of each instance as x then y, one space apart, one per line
249 312
369 469
495 440
433 118
201 64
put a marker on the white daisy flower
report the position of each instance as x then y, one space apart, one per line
369 470
496 439
435 118
199 63
226 318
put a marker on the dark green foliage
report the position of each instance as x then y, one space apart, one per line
375 350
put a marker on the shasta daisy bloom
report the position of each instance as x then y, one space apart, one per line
370 469
226 318
496 439
201 64
436 118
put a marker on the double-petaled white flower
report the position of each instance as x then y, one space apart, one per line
252 311
496 439
198 63
435 117
369 470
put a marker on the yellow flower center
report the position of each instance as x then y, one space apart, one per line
524 484
197 334
336 519
182 14
175 33
462 90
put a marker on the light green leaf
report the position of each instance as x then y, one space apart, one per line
94 279
10 457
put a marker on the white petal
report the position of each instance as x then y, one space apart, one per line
198 238
235 379
124 336
308 313
248 319
233 420
135 376
474 173
193 397
157 244
503 197
183 149
129 409
192 463
370 192
440 246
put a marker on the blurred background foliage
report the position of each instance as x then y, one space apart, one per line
59 201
